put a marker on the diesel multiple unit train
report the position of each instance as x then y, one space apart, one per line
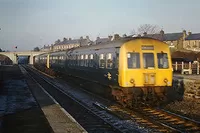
133 68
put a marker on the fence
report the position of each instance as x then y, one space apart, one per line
190 68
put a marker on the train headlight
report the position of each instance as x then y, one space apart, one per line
166 80
132 81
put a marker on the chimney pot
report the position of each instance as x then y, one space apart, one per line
116 36
162 32
87 37
145 33
110 37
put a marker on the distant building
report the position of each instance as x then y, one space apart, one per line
175 40
71 43
46 48
67 44
192 42
106 40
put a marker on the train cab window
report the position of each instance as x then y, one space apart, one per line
148 60
101 61
133 60
109 60
162 60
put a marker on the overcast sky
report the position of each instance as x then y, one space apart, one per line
31 23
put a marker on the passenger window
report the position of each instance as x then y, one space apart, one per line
72 60
78 60
109 60
101 61
91 60
117 60
148 60
133 60
86 60
82 60
162 60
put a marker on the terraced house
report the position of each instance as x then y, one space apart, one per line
175 40
192 42
71 43
67 44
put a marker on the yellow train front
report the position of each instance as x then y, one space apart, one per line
145 71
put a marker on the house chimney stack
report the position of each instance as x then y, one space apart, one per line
110 37
162 32
116 36
145 33
184 34
87 37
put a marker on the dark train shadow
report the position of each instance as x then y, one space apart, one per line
18 110
30 120
176 92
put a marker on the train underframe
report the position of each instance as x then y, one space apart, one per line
132 96
137 95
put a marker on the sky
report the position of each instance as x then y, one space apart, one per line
35 23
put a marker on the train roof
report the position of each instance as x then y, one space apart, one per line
116 43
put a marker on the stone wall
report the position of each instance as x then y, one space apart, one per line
188 88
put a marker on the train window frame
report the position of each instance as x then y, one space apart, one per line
130 62
86 60
102 62
166 61
79 58
145 61
91 58
109 56
82 60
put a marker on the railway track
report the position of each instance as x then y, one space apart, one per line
154 120
174 121
159 119
91 118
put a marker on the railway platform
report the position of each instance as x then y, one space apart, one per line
26 108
